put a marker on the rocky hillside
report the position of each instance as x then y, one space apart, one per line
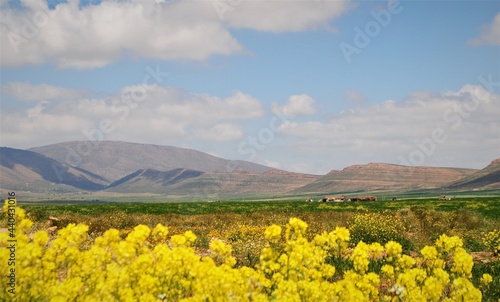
118 167
379 176
487 178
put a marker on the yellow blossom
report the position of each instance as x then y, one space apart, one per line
273 233
71 266
486 279
393 248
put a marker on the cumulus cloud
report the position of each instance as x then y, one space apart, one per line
490 34
27 92
300 104
424 129
93 36
281 15
220 132
160 115
97 35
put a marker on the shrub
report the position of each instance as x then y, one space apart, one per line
377 227
492 241
491 291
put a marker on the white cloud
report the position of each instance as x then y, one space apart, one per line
28 92
490 34
163 116
300 104
97 35
220 132
283 15
466 122
461 125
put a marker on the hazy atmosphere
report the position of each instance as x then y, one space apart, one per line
305 86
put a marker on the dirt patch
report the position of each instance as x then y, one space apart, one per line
483 257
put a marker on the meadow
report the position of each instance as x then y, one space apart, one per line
242 228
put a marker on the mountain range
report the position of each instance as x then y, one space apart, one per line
130 168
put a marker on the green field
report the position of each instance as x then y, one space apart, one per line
412 220
488 207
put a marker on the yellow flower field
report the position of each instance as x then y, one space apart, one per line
150 264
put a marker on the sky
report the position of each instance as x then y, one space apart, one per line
305 86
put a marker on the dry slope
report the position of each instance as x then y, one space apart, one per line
114 160
487 178
30 171
379 176
182 182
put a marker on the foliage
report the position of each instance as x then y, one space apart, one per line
492 241
150 265
377 227
489 286
485 206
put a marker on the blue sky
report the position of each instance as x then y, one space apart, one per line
420 67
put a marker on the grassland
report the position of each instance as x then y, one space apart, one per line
488 207
419 222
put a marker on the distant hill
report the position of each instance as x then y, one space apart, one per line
380 176
487 178
150 180
114 160
123 168
27 170
183 182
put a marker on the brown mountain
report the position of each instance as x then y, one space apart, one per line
183 182
149 180
487 178
379 176
114 160
30 171
137 168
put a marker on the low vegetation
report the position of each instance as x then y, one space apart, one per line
238 235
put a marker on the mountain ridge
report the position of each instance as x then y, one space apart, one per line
115 160
383 176
168 170
488 177
41 171
183 182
